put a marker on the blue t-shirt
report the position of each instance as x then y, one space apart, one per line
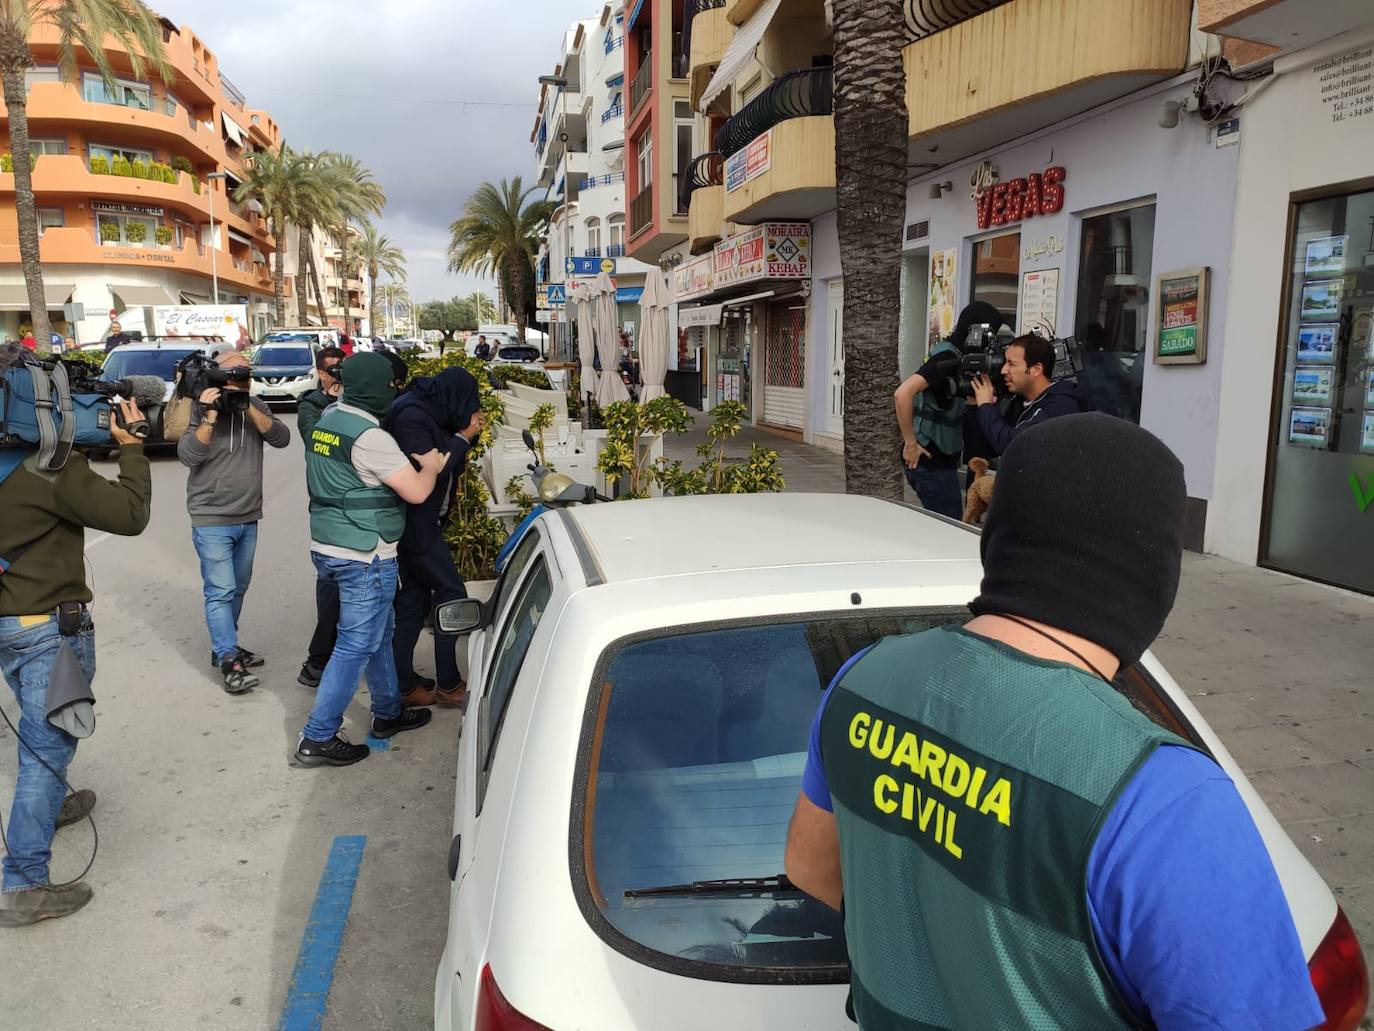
1186 908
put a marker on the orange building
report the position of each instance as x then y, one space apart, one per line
124 187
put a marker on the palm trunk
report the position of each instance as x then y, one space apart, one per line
26 211
279 269
343 277
519 301
372 301
303 235
315 280
870 159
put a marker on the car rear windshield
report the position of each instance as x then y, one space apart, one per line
520 354
125 362
284 356
284 337
694 761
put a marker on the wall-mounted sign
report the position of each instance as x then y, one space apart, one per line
1039 302
739 259
693 278
1345 84
703 315
982 180
774 250
1045 247
125 209
1018 199
592 266
749 163
1181 322
139 256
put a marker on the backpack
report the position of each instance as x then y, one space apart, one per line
38 407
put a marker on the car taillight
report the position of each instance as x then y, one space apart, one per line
1339 976
494 1013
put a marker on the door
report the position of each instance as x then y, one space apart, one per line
784 359
835 343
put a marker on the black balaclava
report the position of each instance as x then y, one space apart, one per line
975 314
367 385
1085 532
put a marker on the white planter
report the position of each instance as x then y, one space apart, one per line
480 589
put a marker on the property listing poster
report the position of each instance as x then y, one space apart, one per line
943 309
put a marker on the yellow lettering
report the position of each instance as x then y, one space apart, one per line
927 807
883 786
858 729
908 800
998 801
906 753
883 750
321 449
950 845
956 775
939 822
932 759
979 775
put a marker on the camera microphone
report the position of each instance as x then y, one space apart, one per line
147 392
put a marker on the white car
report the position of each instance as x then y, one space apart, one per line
153 357
284 372
639 719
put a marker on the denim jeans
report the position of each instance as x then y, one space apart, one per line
26 656
366 624
938 490
226 567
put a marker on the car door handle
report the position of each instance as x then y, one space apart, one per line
455 851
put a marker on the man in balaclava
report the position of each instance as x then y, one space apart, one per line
441 412
933 426
1014 843
360 482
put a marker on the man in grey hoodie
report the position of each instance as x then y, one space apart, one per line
224 497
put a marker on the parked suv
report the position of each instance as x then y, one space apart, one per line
284 370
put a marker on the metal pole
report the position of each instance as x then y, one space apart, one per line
214 270
567 229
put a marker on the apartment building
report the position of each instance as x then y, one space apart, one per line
125 178
351 314
579 144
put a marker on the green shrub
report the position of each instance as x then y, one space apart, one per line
182 164
164 235
109 232
195 185
6 162
139 170
100 166
135 232
508 374
121 166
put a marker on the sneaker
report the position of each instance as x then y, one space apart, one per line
21 908
452 697
310 675
419 695
237 679
337 751
250 660
409 719
75 807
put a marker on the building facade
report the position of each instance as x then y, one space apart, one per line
125 180
327 255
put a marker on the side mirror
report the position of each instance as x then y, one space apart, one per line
528 438
458 617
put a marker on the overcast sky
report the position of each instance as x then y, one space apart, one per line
421 91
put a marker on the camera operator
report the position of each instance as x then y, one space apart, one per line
223 450
43 598
1026 370
933 429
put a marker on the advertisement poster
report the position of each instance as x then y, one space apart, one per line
1181 323
943 297
1039 302
1318 343
1367 436
227 321
740 258
1322 300
1326 257
749 163
1312 384
693 278
1311 426
788 250
1369 388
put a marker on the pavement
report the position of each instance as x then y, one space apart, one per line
212 847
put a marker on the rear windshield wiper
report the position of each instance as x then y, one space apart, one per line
724 886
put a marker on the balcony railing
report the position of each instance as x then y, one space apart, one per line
639 89
601 180
615 250
613 42
234 94
614 111
592 252
690 10
794 95
927 17
705 170
642 209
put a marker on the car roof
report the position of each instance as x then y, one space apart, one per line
145 344
660 537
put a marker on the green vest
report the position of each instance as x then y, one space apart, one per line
967 807
942 428
345 512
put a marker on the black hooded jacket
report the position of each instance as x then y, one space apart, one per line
429 415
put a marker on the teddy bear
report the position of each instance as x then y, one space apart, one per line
979 494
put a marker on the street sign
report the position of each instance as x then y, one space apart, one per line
590 266
113 314
74 311
543 315
556 294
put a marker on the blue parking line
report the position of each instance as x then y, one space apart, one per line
378 744
314 972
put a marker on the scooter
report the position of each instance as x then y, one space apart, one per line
552 490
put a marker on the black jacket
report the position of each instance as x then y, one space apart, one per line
429 415
1060 399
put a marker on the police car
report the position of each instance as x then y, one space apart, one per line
642 683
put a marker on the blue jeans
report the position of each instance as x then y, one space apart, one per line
366 624
938 490
226 568
26 656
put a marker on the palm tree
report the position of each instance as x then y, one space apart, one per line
79 23
279 181
316 205
392 294
499 233
378 254
356 196
870 173
483 307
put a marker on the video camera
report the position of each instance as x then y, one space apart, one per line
196 374
984 354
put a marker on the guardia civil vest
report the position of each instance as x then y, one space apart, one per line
345 512
941 427
969 783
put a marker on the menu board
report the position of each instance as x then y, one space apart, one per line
1039 302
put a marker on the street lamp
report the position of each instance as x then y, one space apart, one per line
214 272
565 330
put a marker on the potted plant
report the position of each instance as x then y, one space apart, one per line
6 162
120 166
109 233
100 165
135 232
164 236
139 169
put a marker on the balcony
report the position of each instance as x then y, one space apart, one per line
614 111
615 250
609 179
797 180
592 252
642 85
706 33
613 42
642 210
1286 24
700 194
1024 64
795 95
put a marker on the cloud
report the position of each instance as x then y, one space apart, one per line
434 96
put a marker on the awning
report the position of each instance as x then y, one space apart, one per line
740 52
232 181
190 298
628 294
734 301
258 257
134 295
238 237
616 144
618 79
634 14
16 298
232 129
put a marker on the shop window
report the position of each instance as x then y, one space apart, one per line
1112 320
1321 463
50 218
996 273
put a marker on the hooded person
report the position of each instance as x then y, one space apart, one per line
360 483
442 412
933 428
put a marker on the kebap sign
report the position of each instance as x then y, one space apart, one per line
774 250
